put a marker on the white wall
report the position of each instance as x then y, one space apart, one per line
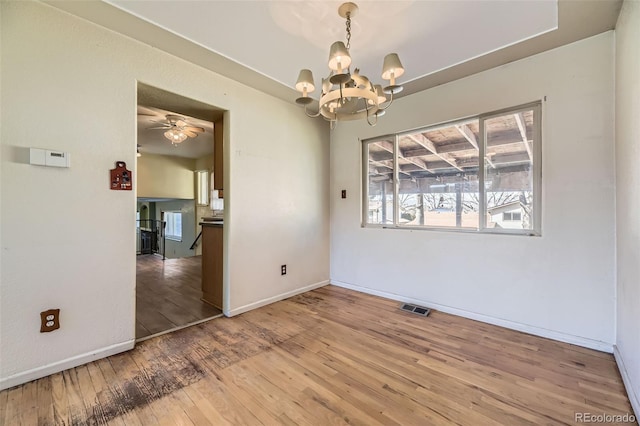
559 285
68 241
628 197
165 176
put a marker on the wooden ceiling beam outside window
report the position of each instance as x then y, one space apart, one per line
423 141
522 127
471 138
388 146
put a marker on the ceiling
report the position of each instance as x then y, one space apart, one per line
265 43
155 104
276 39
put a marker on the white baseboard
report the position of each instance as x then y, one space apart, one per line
631 393
537 331
277 298
46 370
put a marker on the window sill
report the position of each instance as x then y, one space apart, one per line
522 233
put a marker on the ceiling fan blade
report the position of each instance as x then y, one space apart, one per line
172 118
189 133
194 129
142 110
160 127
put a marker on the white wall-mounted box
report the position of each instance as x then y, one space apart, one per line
37 157
45 157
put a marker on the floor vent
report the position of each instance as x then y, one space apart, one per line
414 309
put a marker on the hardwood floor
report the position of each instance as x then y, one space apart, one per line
329 356
168 294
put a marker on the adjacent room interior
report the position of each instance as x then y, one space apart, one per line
176 194
453 240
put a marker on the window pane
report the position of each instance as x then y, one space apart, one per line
379 182
173 228
438 174
509 170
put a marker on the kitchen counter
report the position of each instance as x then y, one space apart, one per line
219 223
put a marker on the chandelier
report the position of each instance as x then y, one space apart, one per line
346 95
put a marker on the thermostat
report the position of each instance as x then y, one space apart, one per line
46 157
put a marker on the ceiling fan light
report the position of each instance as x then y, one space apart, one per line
339 57
175 136
392 67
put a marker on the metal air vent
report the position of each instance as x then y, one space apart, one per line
414 309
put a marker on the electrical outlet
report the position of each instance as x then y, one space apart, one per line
49 320
283 270
344 193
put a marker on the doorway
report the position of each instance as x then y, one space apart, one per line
176 143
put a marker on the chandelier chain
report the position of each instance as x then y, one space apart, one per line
348 30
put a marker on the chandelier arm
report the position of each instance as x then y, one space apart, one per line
367 110
311 115
389 104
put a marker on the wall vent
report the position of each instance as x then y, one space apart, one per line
414 309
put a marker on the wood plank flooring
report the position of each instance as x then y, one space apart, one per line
168 294
329 356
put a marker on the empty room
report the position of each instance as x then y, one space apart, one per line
382 212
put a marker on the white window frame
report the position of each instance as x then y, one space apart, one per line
172 235
202 194
536 170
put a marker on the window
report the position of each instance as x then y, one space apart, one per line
380 165
512 216
202 187
478 174
173 229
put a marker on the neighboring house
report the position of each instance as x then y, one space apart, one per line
510 215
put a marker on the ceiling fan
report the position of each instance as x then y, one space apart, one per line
177 129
